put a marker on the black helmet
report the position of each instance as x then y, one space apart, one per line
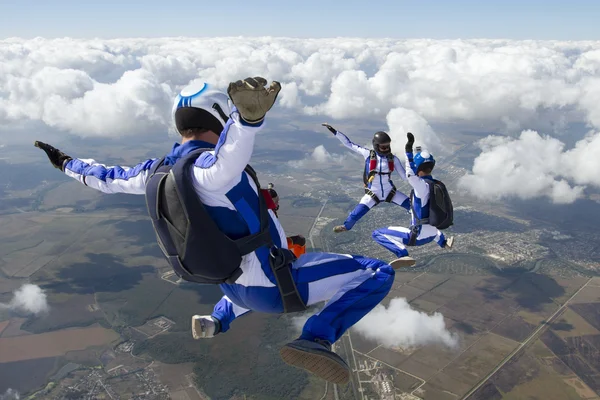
381 138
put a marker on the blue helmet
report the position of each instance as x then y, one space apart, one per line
423 160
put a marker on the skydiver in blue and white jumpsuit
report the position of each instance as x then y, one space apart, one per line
396 238
380 185
350 285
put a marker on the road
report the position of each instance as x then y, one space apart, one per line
312 228
523 344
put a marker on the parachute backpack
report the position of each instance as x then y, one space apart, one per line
188 237
441 211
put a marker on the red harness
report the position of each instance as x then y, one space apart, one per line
373 166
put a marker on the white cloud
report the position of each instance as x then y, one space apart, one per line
401 120
398 325
10 394
533 166
29 299
319 157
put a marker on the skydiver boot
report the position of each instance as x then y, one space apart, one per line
205 326
402 262
449 242
316 357
340 228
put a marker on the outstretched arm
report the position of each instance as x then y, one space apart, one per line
408 148
399 168
113 179
347 142
419 185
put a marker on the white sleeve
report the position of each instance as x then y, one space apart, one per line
215 170
399 168
113 179
419 185
351 145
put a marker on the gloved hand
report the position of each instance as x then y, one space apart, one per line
56 157
331 128
205 326
409 143
252 99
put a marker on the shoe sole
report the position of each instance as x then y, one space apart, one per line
399 263
319 365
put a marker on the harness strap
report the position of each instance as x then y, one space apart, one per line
390 195
414 233
373 166
373 195
418 221
281 264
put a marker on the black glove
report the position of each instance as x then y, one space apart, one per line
331 128
252 98
409 143
56 157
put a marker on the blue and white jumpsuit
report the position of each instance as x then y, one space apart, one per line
351 285
381 185
395 238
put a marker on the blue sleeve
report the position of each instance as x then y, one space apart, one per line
110 179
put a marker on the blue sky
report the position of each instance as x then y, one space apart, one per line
438 19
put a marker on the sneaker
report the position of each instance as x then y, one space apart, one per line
204 326
449 242
340 228
317 358
403 262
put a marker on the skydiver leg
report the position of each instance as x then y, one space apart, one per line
395 238
362 208
224 312
352 286
402 200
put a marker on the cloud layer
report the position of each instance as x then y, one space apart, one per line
125 87
97 86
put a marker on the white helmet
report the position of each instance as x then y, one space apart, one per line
200 106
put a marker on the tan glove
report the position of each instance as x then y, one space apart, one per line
252 99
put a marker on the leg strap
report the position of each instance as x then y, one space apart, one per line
373 196
281 264
414 232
